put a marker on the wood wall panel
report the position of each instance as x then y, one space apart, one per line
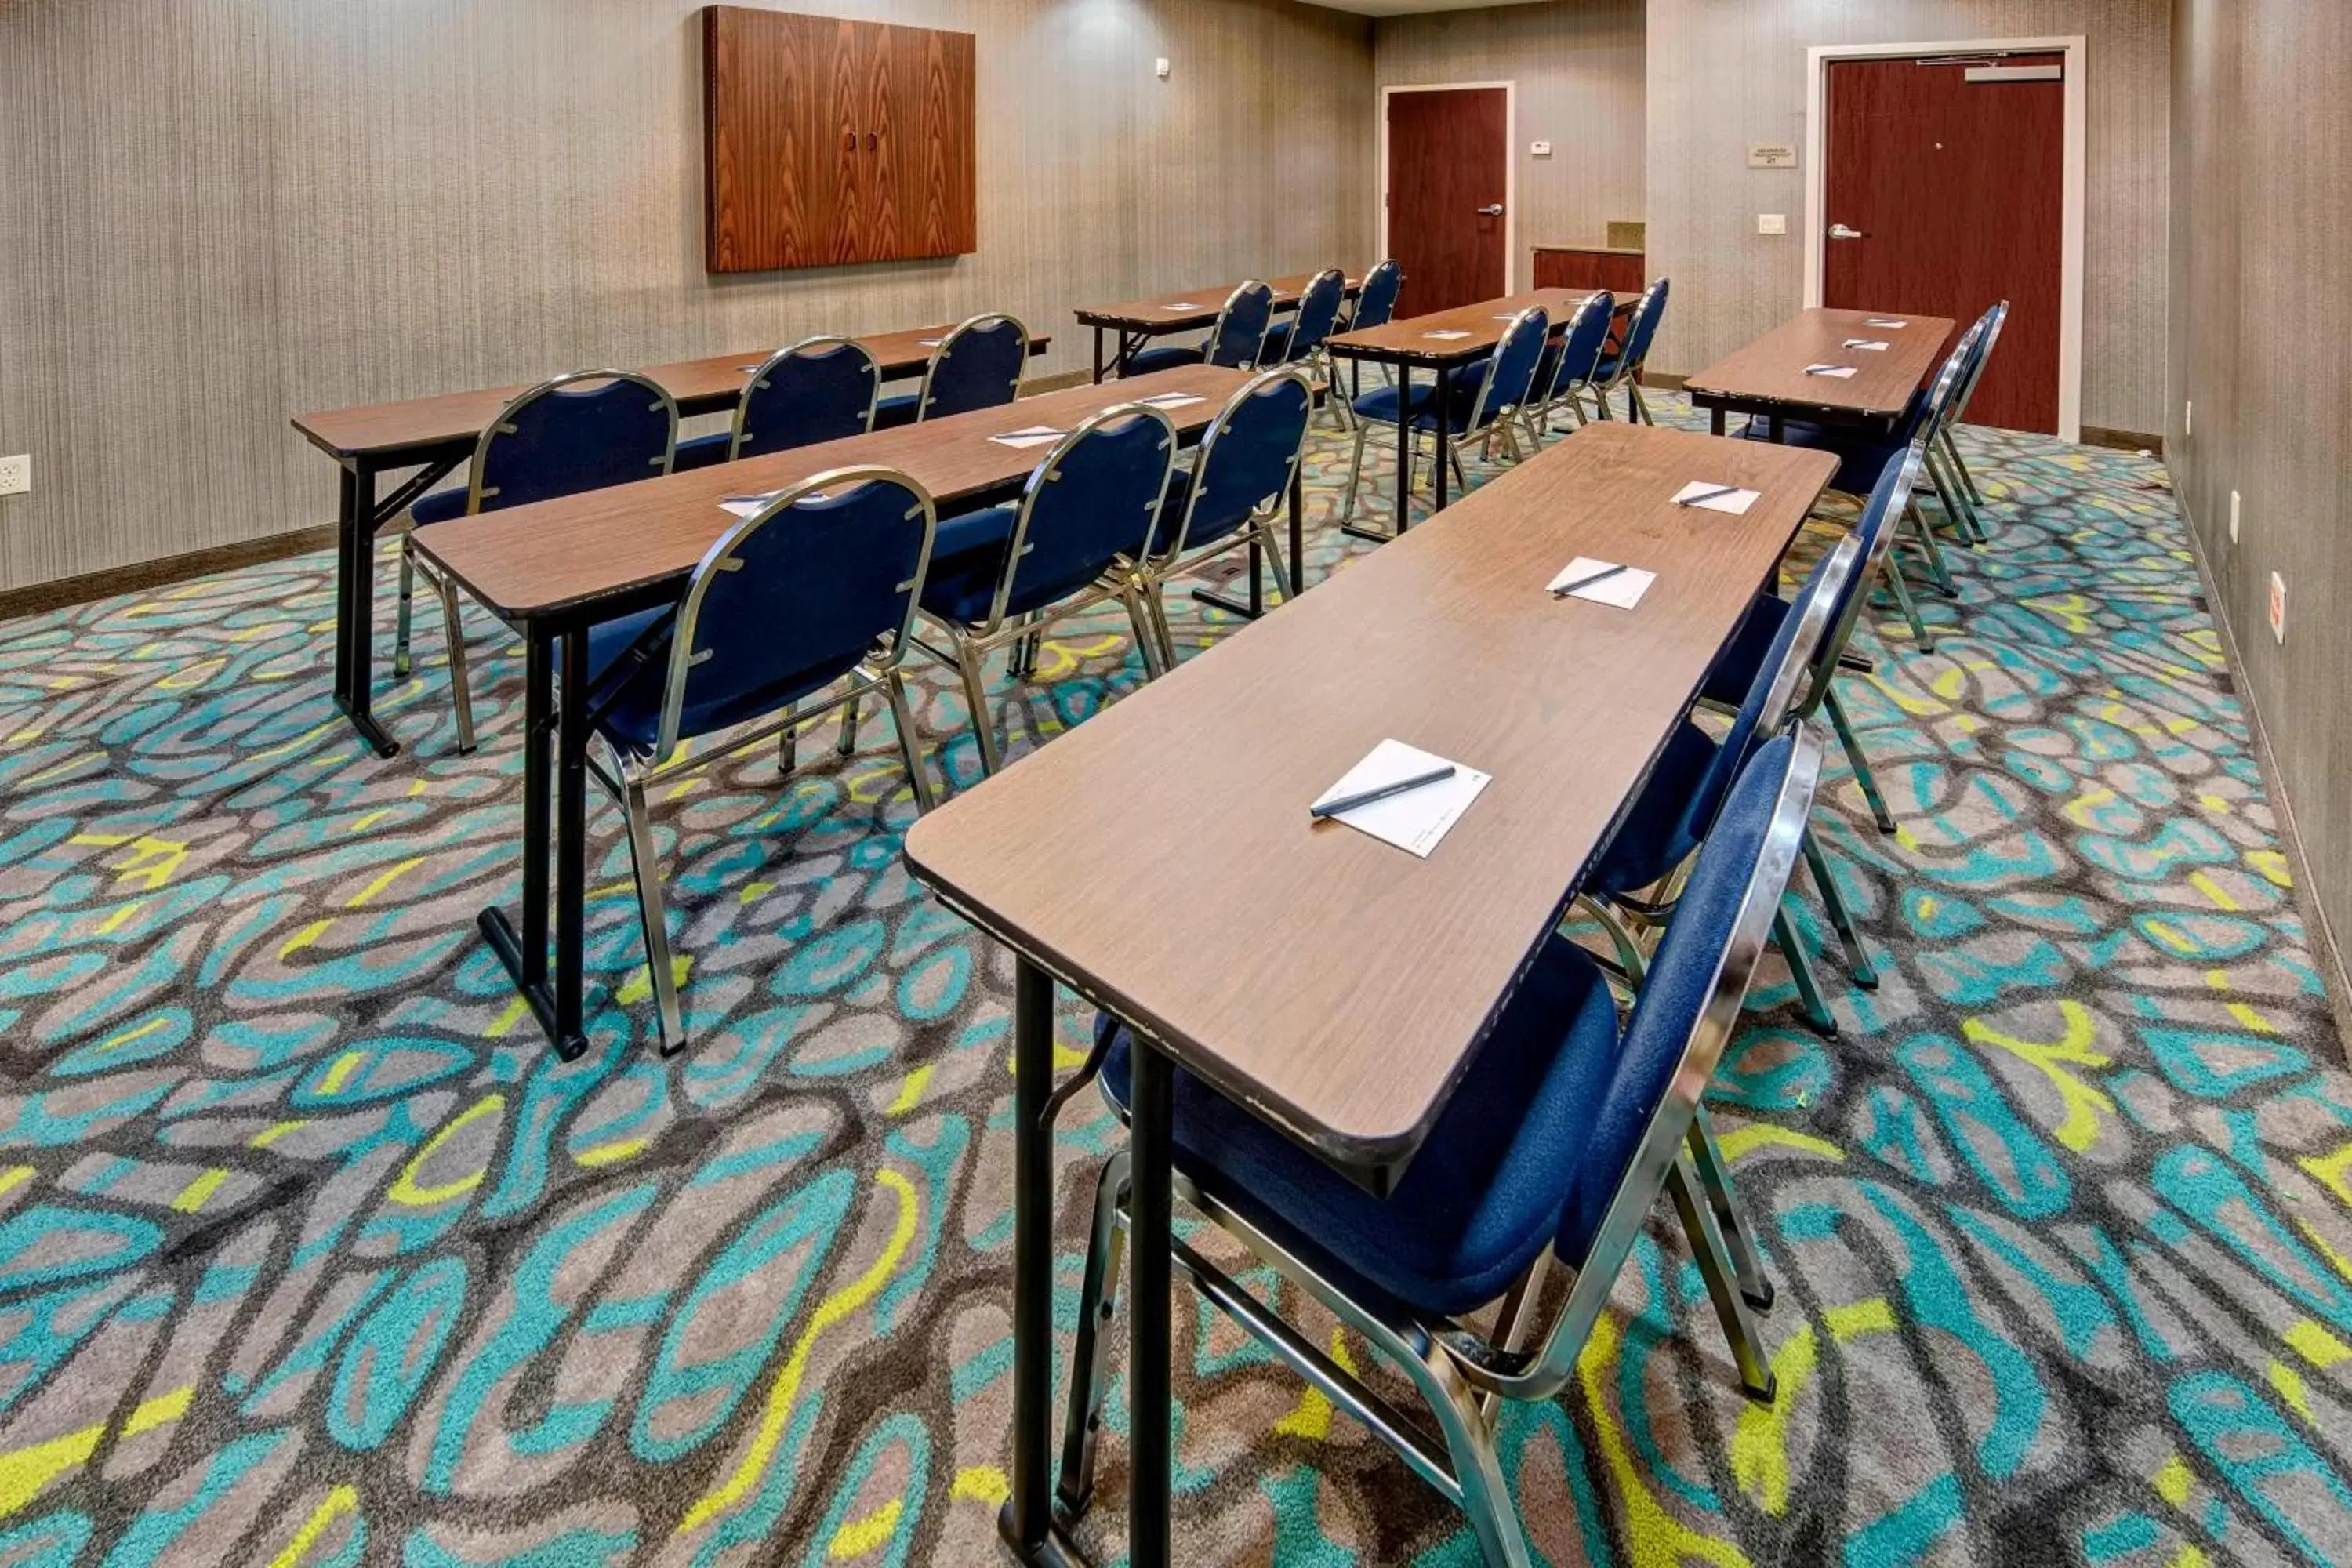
2261 310
227 211
1724 74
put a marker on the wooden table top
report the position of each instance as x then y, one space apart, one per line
1407 341
542 560
699 386
1158 857
1771 370
1154 315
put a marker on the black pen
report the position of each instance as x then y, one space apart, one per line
1582 582
1366 797
1708 495
1823 369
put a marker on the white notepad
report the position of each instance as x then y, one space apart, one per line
752 506
927 343
1034 436
1623 591
1883 321
1448 336
1169 399
1830 372
1182 305
1416 820
1865 346
1737 503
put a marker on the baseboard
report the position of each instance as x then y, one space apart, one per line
66 592
2326 952
2123 441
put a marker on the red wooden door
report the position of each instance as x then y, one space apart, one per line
1449 170
1955 188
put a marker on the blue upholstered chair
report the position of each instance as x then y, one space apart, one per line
1624 368
1566 372
816 591
1959 484
1482 397
1865 459
1233 490
1236 341
1376 300
579 432
977 365
1085 520
1300 340
820 389
1556 1143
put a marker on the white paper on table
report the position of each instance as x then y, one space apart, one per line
1448 336
1831 371
1034 436
1883 321
1623 591
927 343
1416 820
1507 315
1171 399
749 369
1182 305
1737 503
752 506
1865 346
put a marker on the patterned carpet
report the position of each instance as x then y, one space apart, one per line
313 1253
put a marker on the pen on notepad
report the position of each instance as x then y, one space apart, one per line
1823 369
1582 582
1366 797
1708 495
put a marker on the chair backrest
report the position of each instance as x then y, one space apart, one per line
1989 328
1581 346
1872 537
976 365
1239 333
1249 453
1643 330
1511 374
819 389
1376 300
1318 311
798 593
1094 499
1931 411
578 432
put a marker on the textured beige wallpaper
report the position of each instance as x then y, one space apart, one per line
1577 66
1724 74
223 212
2262 317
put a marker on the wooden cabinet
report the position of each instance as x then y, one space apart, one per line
830 141
1590 266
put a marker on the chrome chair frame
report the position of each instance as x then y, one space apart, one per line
968 649
1217 331
822 343
1154 571
1628 372
1485 419
444 588
1318 359
626 777
1457 1371
1960 484
1565 385
948 341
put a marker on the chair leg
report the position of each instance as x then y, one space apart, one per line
1714 1181
1630 957
1932 552
1955 501
788 748
1461 479
647 862
1090 1353
902 718
1738 1326
975 695
1515 1316
400 626
461 685
1269 540
848 744
1470 1445
1859 760
1902 591
1801 970
1636 406
1355 473
1959 464
1146 632
1857 956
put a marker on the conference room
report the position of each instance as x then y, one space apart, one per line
1209 782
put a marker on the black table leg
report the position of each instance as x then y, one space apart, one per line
1715 418
1298 532
525 957
355 608
1445 432
1026 1520
1149 1451
1777 428
1405 448
571 845
1098 359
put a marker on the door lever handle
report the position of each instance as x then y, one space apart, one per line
1840 231
1495 210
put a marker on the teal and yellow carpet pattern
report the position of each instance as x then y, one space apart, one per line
312 1253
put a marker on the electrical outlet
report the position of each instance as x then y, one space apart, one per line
2188 417
2233 517
1772 223
2278 608
16 476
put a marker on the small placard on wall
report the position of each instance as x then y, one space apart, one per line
1778 155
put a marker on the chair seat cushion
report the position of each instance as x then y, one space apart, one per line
1205 530
896 413
1379 406
703 452
439 507
1664 823
1486 1192
632 720
1734 671
1143 361
967 559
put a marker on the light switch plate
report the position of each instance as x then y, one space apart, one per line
1772 223
1160 67
1539 149
2233 517
2188 417
16 476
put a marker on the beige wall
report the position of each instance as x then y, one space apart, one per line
2262 321
1724 74
1577 66
223 212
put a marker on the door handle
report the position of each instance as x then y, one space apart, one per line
1840 231
1495 210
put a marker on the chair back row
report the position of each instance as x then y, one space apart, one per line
578 432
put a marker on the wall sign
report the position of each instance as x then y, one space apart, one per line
1772 155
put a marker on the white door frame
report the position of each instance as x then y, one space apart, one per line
2070 256
1510 165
